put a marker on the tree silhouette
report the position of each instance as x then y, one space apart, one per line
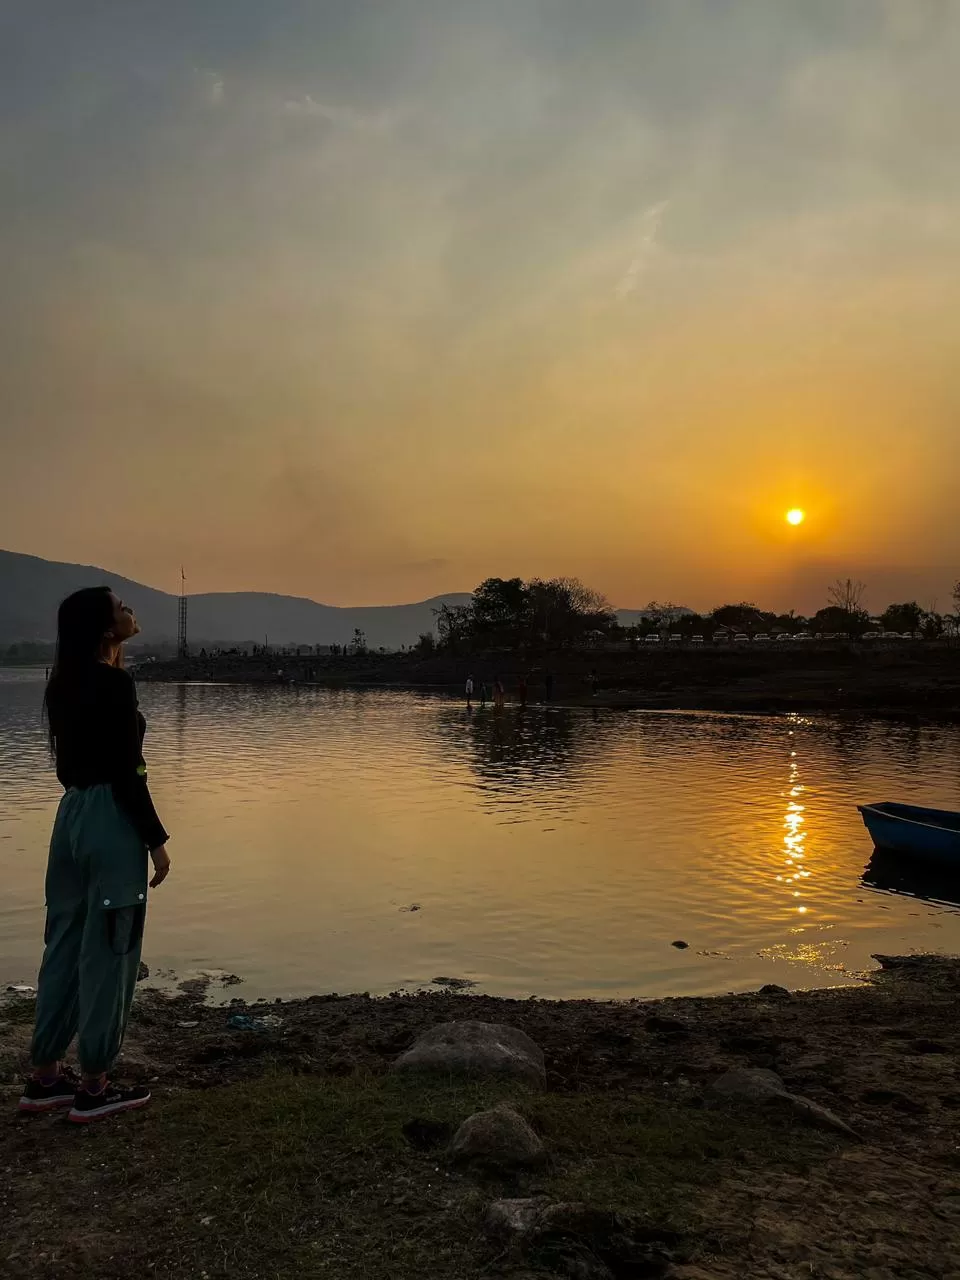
739 616
902 617
847 594
509 613
845 612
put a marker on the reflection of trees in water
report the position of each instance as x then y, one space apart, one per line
536 749
913 748
558 748
562 748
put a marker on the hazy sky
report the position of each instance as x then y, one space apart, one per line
368 301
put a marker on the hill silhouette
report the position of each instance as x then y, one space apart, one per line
31 588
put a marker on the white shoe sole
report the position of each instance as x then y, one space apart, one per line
34 1106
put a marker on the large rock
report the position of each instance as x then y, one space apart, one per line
751 1084
497 1140
820 1116
754 1084
476 1049
513 1221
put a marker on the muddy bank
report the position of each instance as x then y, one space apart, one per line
280 1144
901 1022
911 679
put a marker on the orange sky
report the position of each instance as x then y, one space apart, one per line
368 303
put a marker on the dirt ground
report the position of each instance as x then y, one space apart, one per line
247 1124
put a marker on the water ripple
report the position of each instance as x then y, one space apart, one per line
556 852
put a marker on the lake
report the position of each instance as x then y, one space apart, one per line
367 841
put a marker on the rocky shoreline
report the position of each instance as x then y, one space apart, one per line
774 1135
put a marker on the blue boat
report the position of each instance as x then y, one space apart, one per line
931 834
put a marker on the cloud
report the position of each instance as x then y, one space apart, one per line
308 107
212 85
649 227
462 282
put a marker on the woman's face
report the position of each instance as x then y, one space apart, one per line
125 625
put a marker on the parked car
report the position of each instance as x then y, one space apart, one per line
721 637
762 638
676 638
651 639
741 638
872 635
783 635
803 635
696 639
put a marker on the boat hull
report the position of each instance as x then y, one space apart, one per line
921 833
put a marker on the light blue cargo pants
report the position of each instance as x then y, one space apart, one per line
96 891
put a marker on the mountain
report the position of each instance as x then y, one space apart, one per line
31 589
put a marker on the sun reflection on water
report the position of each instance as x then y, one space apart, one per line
795 835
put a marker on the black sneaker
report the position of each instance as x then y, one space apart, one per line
38 1096
108 1101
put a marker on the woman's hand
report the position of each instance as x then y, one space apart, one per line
161 865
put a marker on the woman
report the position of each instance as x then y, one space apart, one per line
96 886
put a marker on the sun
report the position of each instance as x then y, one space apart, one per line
796 515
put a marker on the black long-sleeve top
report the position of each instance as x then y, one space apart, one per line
98 737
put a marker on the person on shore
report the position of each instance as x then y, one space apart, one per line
96 881
469 690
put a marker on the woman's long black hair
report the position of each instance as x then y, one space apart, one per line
83 621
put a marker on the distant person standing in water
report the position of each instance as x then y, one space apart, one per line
522 691
96 884
483 695
469 690
498 694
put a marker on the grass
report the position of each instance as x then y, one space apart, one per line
291 1175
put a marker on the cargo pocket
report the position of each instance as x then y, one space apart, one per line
124 910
